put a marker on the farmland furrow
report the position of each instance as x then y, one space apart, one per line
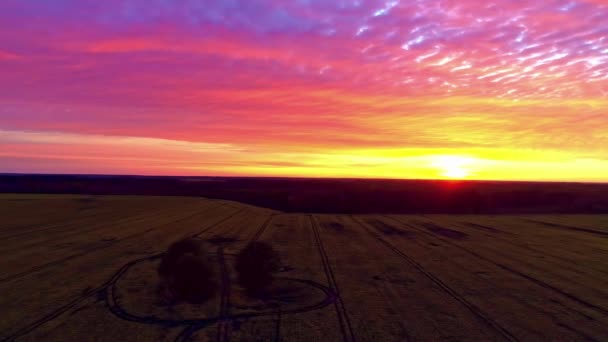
557 254
518 306
100 289
474 309
223 328
50 215
18 215
593 222
345 325
72 229
60 225
517 272
568 227
543 233
92 249
82 267
292 237
263 227
99 237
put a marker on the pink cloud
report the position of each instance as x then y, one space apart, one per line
315 75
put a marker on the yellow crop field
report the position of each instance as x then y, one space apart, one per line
83 268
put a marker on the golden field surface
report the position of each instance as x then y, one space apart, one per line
83 268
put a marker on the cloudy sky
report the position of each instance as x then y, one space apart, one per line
504 89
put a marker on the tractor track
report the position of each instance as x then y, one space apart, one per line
446 288
526 304
277 327
343 320
55 222
92 249
263 227
99 290
108 291
568 227
223 329
122 221
518 273
193 325
526 247
60 223
70 227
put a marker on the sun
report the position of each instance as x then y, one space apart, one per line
455 172
454 167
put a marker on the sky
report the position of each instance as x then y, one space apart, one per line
503 89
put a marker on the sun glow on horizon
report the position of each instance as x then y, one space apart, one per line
456 172
455 167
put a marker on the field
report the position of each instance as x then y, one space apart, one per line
82 267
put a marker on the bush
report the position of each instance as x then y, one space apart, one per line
186 272
255 266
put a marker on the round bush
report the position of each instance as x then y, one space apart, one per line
255 266
186 273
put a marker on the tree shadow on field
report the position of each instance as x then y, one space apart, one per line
256 265
186 273
195 283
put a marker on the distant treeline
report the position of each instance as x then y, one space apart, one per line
338 195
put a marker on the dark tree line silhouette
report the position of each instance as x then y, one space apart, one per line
339 195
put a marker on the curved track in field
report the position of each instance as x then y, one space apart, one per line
98 291
193 325
108 293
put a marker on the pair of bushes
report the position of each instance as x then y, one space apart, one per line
188 275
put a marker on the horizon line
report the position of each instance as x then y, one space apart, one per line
303 177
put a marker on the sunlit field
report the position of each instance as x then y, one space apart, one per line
81 268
